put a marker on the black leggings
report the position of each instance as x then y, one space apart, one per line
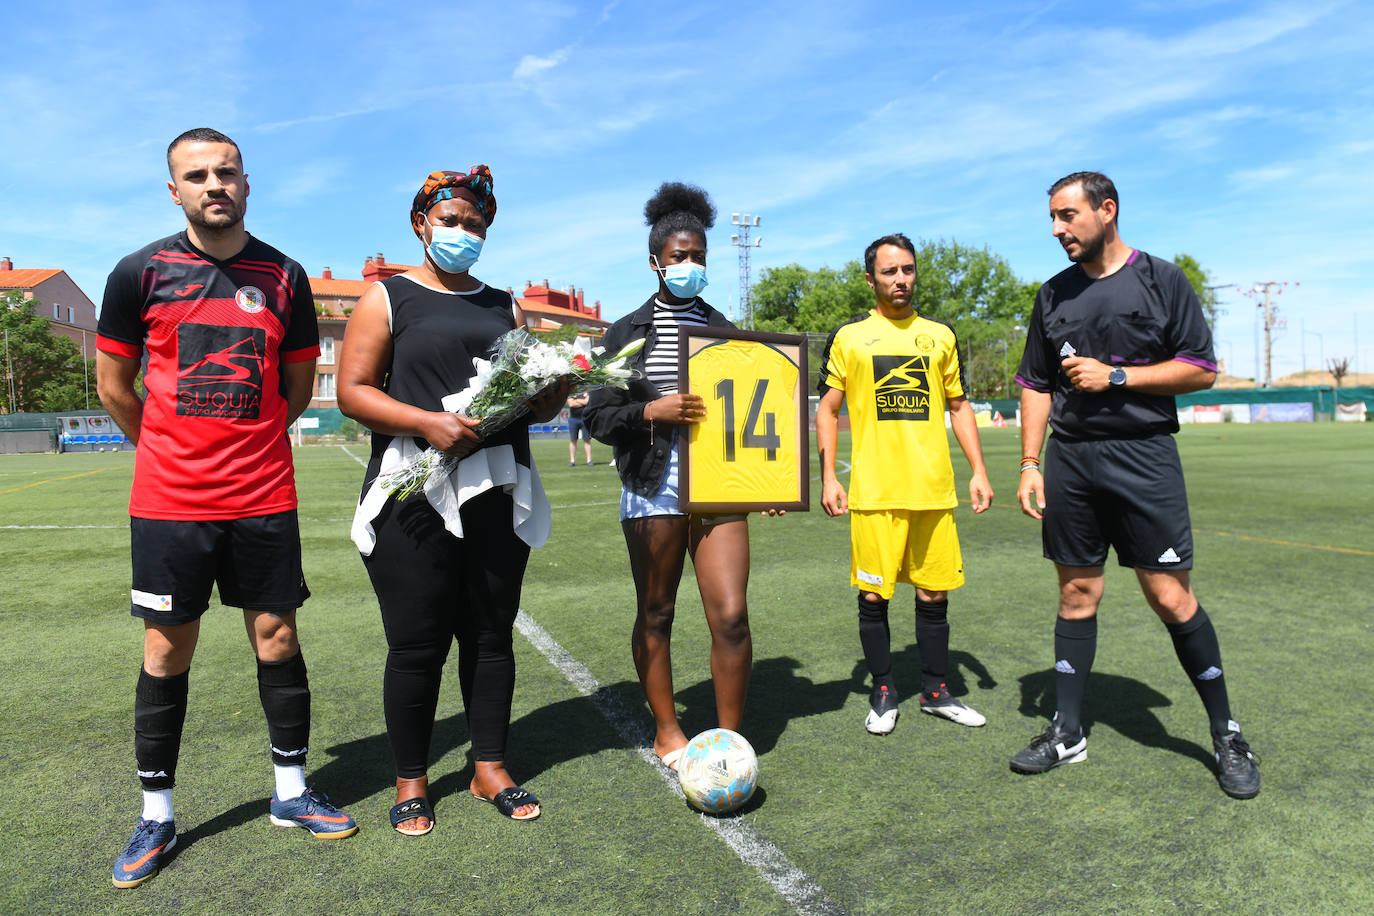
433 588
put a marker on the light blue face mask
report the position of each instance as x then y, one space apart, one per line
453 250
685 279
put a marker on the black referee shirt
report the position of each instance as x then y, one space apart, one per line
1144 313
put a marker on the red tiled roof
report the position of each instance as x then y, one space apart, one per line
535 307
27 278
336 288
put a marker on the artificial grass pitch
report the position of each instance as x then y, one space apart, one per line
929 819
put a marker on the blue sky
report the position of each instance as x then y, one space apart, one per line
1240 133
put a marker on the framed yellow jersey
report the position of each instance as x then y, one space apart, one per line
752 449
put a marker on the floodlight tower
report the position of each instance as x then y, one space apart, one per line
743 222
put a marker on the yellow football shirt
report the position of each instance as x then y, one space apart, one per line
897 377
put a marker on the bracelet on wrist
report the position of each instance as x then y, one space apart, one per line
1030 466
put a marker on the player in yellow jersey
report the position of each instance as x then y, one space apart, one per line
899 371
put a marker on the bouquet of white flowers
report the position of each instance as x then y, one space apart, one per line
521 365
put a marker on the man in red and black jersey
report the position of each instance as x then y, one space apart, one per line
228 326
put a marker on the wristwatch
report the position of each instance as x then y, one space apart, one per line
1117 377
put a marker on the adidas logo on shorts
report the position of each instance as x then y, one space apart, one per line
1169 556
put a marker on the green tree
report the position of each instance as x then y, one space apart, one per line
777 297
44 370
1200 281
797 300
976 292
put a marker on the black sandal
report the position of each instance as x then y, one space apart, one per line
410 809
508 800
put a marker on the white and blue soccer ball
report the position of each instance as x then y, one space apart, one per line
718 771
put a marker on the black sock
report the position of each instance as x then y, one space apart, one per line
159 714
932 642
876 639
1195 643
1075 645
285 693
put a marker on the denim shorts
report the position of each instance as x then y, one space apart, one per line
662 502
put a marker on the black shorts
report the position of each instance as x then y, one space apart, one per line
575 426
1126 493
256 562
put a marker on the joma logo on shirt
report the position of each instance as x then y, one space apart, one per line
901 387
219 371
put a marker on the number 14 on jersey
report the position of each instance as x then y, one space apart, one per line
768 439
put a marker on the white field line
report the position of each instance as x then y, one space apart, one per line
59 527
345 450
753 849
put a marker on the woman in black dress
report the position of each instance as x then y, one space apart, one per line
410 342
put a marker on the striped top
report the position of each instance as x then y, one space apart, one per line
660 366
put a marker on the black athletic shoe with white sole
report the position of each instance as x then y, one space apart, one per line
882 713
940 703
1050 749
1236 769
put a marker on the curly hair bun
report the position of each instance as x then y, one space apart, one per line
673 197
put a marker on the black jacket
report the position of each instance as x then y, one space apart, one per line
616 417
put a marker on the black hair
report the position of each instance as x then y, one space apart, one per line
677 207
200 135
896 238
1096 187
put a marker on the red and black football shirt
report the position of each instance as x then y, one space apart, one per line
213 442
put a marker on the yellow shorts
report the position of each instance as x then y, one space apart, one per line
919 548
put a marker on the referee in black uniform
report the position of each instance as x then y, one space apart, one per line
1112 339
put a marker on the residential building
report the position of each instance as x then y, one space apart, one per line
71 312
547 309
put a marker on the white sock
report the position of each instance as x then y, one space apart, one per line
157 805
290 781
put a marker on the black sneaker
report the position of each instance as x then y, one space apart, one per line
882 713
1049 750
1236 769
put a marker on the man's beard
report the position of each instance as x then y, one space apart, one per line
221 222
1090 250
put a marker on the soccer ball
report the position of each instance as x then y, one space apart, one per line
718 771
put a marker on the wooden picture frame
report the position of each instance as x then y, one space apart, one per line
752 452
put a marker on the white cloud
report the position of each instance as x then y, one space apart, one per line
1201 129
531 66
1247 179
272 126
